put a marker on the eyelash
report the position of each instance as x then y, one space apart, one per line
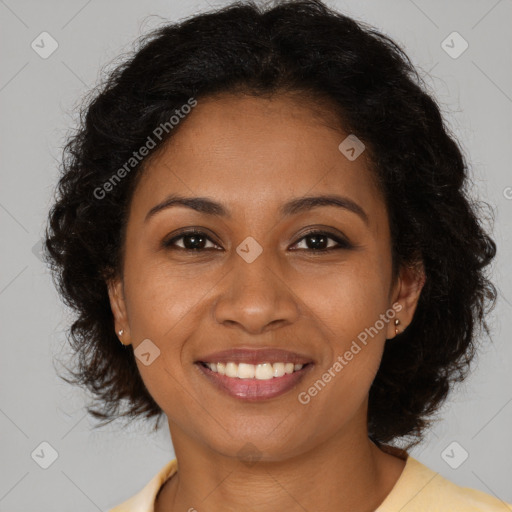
342 243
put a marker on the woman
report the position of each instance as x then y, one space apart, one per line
263 227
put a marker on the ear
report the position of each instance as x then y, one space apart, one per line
406 294
118 306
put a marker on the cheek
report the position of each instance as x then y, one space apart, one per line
161 301
164 309
349 306
347 300
348 310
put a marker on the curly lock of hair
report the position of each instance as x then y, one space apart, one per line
369 82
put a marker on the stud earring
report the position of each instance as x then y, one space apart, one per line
397 322
120 332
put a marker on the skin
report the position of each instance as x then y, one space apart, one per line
253 155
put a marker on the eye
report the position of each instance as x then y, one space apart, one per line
193 240
319 242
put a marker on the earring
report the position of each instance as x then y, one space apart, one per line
120 332
397 322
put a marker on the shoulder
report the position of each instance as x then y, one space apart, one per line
420 489
144 500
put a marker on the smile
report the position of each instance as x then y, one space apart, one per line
254 382
263 371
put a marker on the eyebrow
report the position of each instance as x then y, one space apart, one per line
293 207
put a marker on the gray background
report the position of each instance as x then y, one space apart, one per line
96 470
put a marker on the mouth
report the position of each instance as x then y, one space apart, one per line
254 382
261 371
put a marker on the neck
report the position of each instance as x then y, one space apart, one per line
360 474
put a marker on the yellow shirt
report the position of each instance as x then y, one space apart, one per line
419 489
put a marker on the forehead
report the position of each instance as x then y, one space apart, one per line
252 153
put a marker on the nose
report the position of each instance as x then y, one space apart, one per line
255 297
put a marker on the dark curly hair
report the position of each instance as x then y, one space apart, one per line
376 93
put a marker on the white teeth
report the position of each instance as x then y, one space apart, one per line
263 371
246 371
278 369
231 370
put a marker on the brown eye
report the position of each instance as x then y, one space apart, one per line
192 241
320 241
315 241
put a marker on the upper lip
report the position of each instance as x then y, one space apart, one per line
255 356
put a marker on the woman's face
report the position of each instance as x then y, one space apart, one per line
255 280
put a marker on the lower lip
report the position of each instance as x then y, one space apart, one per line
255 389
